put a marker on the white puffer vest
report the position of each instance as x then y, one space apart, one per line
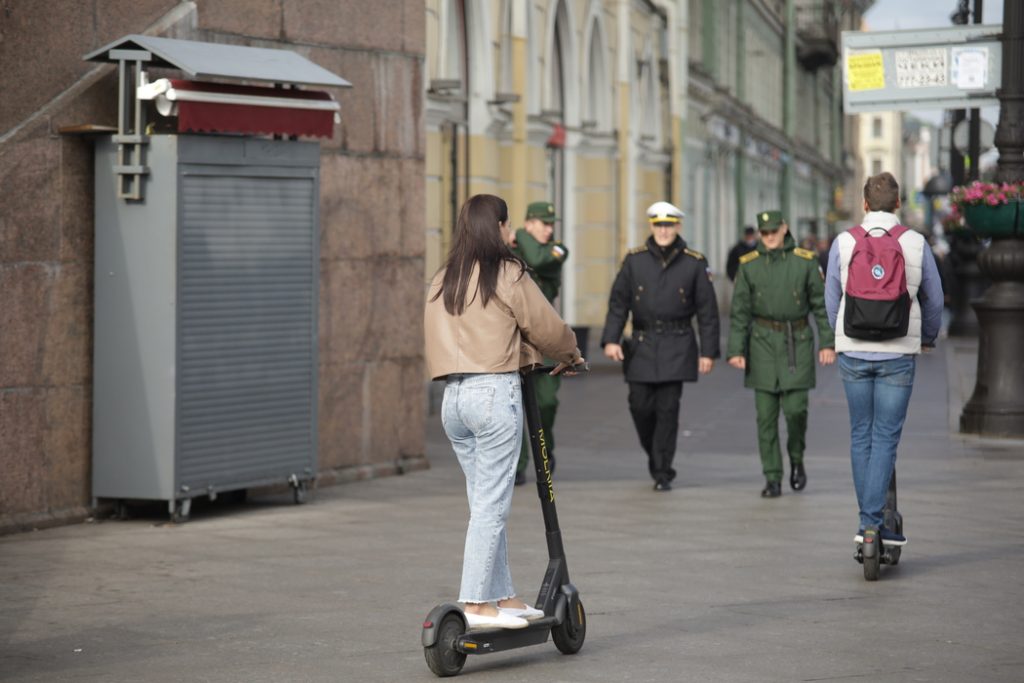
913 244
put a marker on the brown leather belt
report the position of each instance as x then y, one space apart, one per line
781 325
786 326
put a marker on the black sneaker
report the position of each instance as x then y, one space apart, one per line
772 489
891 537
798 477
520 478
662 485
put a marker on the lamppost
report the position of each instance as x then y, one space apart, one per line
996 407
968 281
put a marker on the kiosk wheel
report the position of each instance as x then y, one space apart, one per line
442 657
568 636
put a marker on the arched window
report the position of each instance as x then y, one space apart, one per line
505 73
598 113
648 101
452 45
555 100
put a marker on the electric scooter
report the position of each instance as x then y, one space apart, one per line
874 554
446 639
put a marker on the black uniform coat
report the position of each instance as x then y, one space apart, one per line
663 294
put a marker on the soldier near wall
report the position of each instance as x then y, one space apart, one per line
545 256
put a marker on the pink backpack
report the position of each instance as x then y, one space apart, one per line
877 301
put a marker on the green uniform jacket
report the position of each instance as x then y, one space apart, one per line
545 261
781 285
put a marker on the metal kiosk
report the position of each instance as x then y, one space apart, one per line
206 274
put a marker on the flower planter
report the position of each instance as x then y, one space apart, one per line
999 221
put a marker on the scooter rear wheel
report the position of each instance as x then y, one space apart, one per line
872 566
442 657
568 636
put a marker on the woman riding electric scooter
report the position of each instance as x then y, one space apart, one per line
484 320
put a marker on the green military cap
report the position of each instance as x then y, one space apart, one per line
769 221
544 211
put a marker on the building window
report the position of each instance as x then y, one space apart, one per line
598 101
876 127
876 166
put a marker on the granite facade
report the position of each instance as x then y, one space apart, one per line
371 405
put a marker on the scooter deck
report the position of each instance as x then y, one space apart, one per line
484 641
885 543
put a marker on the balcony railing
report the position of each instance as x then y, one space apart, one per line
817 32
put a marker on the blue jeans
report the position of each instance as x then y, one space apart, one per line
483 418
877 393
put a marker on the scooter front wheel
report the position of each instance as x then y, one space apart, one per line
568 636
442 657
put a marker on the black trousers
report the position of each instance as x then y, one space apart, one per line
655 411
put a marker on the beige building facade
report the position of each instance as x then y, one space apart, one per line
574 101
724 107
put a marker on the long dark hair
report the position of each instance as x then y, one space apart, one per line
477 240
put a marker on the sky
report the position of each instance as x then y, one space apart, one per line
898 15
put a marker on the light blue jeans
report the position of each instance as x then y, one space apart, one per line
483 418
877 393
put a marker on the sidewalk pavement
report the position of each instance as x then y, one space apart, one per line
706 583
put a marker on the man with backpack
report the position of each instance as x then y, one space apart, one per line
884 301
777 286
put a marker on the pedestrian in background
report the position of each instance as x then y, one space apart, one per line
545 257
484 320
661 285
778 285
878 376
741 248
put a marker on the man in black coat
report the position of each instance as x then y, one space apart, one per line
662 284
740 249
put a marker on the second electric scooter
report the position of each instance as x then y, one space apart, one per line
446 639
873 553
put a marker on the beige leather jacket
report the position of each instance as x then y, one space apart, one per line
516 328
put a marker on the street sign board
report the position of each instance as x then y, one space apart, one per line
940 68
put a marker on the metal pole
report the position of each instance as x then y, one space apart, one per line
974 140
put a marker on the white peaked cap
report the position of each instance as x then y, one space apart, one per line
664 210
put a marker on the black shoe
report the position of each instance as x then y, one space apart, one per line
772 489
662 485
798 477
520 478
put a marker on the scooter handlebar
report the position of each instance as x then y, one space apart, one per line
546 369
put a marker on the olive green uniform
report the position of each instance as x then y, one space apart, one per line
545 261
775 291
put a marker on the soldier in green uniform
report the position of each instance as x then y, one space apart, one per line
778 284
533 243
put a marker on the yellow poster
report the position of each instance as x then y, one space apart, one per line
864 71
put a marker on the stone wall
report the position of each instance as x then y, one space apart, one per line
372 221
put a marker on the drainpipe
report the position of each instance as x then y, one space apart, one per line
741 95
625 60
676 101
520 153
789 109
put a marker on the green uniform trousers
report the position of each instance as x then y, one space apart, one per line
547 401
794 405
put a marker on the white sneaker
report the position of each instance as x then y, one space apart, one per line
524 612
500 620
